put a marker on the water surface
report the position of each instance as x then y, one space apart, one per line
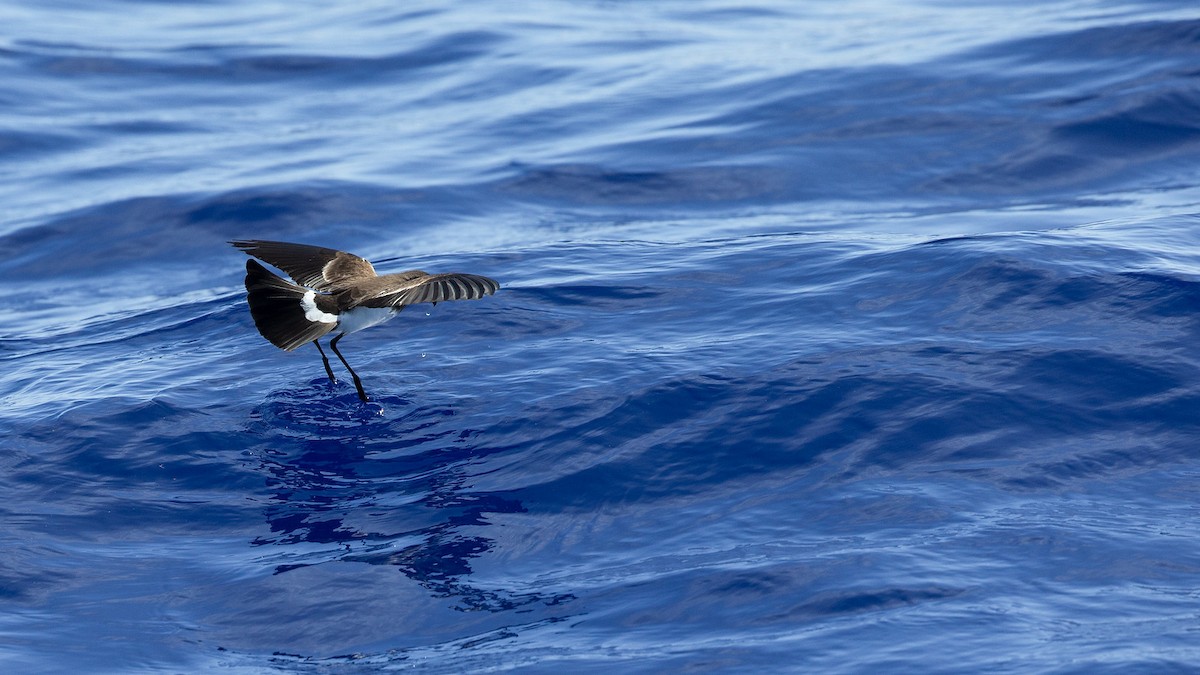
855 338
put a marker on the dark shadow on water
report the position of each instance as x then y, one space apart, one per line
377 483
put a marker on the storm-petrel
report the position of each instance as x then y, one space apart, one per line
337 292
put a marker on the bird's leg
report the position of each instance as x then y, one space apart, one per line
325 360
357 382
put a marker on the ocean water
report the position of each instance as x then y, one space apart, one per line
848 337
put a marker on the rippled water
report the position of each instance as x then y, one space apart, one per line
857 337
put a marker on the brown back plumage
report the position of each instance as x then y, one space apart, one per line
315 267
352 281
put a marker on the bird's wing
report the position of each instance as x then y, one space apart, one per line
277 306
323 269
436 288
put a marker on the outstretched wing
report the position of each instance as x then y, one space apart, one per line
322 269
437 288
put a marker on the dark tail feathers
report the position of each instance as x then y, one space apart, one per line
275 304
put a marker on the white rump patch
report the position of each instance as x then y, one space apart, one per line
312 312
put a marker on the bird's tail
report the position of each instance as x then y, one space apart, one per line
283 311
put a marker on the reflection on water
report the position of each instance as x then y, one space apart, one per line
353 481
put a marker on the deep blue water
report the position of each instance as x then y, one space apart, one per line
856 337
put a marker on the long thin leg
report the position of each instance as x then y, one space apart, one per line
325 360
357 382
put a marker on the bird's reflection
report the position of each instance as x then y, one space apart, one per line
381 490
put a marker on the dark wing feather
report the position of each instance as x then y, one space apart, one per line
439 288
275 304
323 269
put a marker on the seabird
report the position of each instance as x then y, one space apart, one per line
337 292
